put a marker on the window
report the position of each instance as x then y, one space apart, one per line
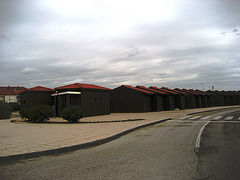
96 100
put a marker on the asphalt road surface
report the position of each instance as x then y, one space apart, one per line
199 146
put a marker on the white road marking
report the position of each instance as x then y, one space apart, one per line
204 121
195 117
217 117
198 141
229 118
239 118
184 117
206 117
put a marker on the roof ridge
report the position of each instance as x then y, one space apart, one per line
138 89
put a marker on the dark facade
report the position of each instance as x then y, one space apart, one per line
36 96
158 99
94 100
238 97
190 98
207 98
128 99
169 99
179 98
218 98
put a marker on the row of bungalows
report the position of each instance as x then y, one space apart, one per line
95 100
196 98
225 98
98 100
142 99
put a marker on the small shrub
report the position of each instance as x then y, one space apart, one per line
5 110
14 107
38 113
27 113
72 113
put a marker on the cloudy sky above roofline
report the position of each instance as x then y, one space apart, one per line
174 43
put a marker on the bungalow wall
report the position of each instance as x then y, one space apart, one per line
180 101
125 100
198 101
169 102
218 100
158 102
190 101
233 99
204 100
93 102
238 98
31 98
227 100
209 100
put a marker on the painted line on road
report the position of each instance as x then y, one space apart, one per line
229 118
205 121
195 117
217 117
206 117
239 118
184 117
198 141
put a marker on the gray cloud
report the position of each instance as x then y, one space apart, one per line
199 44
28 70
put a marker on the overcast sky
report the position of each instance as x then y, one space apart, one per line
173 43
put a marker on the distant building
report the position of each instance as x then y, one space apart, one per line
36 96
11 94
94 100
128 99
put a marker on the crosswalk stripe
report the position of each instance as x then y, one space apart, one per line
229 117
217 117
206 117
195 117
184 117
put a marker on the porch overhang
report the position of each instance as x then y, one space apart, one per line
67 92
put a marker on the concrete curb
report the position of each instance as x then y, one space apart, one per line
212 110
58 151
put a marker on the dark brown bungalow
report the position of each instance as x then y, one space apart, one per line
158 99
94 100
128 99
170 99
180 98
190 98
207 98
36 96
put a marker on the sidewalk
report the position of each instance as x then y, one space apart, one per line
21 138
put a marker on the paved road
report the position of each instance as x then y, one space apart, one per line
163 151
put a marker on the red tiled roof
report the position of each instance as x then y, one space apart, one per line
148 89
172 90
183 91
197 92
163 90
11 90
40 88
190 91
138 89
202 92
82 86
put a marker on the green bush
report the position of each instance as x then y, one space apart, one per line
5 110
72 113
37 114
14 107
27 113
